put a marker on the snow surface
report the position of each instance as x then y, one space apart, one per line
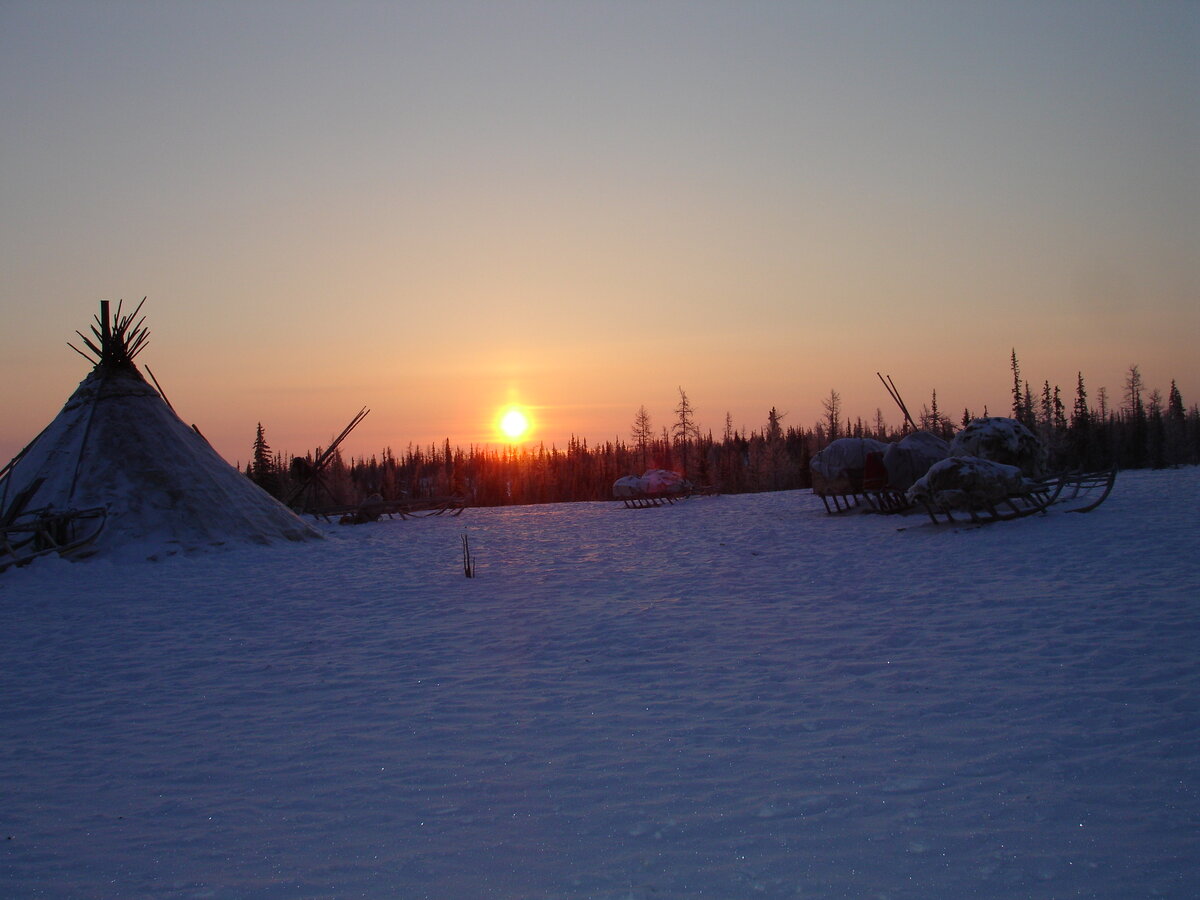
731 697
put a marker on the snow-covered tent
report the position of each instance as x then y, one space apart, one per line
1001 440
117 444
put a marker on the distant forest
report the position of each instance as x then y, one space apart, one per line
1142 429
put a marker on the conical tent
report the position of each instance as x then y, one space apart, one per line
117 444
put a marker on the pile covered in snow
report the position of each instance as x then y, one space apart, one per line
842 466
910 458
653 482
1001 440
990 459
966 482
852 465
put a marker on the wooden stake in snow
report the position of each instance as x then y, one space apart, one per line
468 560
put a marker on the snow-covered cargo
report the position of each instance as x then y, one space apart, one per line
966 482
910 458
655 481
1001 440
840 467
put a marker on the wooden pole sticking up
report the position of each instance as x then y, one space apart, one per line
890 387
163 394
314 474
118 338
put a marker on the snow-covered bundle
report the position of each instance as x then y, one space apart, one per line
655 481
845 455
965 482
839 468
117 445
1001 440
910 458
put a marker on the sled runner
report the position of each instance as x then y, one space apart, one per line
657 487
1092 488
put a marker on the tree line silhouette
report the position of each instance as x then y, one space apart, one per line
1143 430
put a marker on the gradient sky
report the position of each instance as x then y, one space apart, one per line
433 209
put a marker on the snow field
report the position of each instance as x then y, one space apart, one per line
732 697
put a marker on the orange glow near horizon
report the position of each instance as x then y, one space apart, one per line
515 423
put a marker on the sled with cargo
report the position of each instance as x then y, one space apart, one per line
991 471
1078 492
862 473
645 500
26 534
373 508
995 472
657 487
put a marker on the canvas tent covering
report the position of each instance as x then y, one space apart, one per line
117 444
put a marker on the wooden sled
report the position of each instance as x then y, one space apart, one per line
646 501
1092 488
373 510
854 490
1089 488
40 532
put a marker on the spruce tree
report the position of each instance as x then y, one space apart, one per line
260 459
1018 408
262 466
642 433
1080 428
833 413
1175 410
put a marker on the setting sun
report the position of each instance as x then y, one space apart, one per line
514 423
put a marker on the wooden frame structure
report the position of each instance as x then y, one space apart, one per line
646 501
372 510
27 534
1092 488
